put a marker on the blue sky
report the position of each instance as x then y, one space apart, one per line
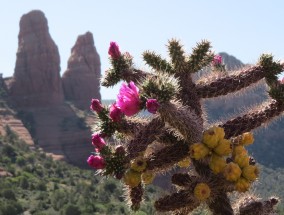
243 28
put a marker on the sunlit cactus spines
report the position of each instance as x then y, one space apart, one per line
175 135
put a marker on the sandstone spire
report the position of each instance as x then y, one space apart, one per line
36 80
81 80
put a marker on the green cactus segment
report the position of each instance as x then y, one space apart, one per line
157 63
201 56
177 56
176 201
249 121
113 75
162 87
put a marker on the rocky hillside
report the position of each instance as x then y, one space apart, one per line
35 92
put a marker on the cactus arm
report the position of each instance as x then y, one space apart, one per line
167 156
182 119
221 205
176 201
188 93
230 83
146 135
252 120
136 196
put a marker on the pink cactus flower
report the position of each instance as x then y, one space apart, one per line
96 162
128 99
282 81
98 141
217 60
115 113
152 105
96 105
113 50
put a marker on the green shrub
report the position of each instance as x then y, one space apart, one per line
8 194
71 210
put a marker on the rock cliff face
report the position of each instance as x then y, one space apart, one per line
36 81
81 80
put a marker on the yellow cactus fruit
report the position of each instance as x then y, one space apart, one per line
237 150
138 164
247 138
217 163
223 148
232 172
242 185
242 160
220 132
202 191
184 163
198 151
147 177
132 178
210 137
250 172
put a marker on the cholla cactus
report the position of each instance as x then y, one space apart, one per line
175 134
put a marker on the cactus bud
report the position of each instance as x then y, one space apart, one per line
138 164
147 177
242 185
242 160
202 191
217 163
232 172
250 172
132 178
184 163
198 151
223 148
247 138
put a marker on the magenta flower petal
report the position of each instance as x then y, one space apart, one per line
217 60
96 162
152 105
128 99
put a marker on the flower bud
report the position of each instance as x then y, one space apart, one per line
119 150
96 162
217 60
152 105
113 50
115 113
98 141
96 105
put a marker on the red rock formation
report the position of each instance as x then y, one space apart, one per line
36 80
81 80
